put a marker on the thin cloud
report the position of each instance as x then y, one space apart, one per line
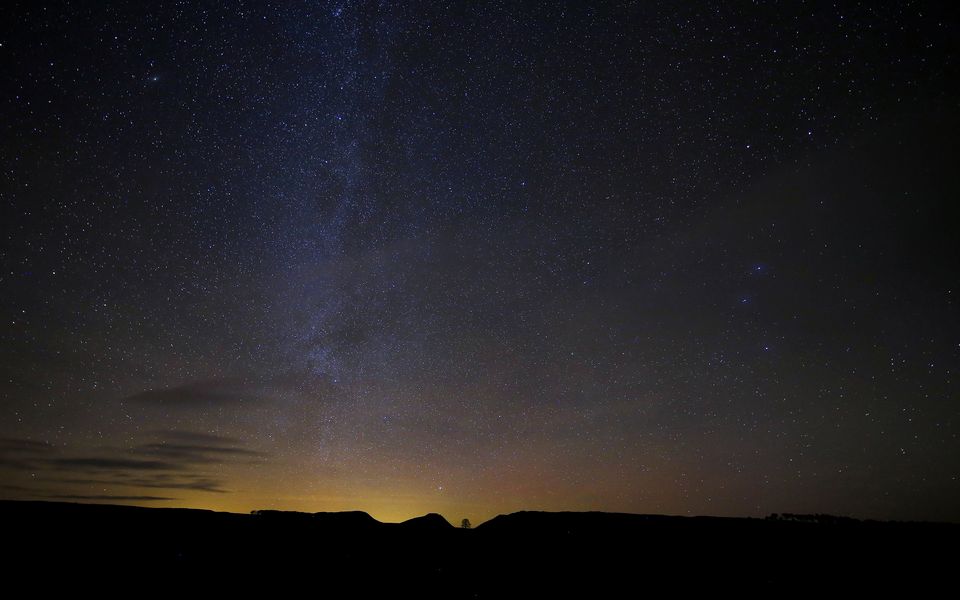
204 485
24 446
108 497
184 482
175 461
15 488
196 437
18 464
111 464
200 394
195 453
24 455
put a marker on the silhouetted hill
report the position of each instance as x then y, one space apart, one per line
428 522
352 521
526 553
585 523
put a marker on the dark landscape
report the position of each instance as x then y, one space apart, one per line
535 553
610 261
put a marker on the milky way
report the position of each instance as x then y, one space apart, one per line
479 258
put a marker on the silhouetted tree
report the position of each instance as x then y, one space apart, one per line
465 524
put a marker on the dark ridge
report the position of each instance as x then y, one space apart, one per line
611 523
428 522
529 554
346 519
595 521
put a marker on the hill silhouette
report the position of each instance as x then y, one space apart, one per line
525 553
348 521
428 522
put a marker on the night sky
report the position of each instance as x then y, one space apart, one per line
474 258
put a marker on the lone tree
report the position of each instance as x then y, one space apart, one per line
465 524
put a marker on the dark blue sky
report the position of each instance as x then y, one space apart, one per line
481 257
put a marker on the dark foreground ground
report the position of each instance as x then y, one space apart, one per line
142 551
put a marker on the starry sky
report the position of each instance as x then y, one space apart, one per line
480 257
